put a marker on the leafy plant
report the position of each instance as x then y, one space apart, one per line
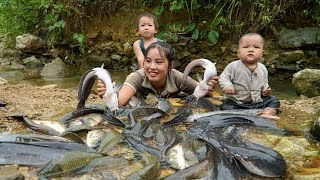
80 40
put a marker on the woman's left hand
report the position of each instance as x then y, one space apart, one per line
213 82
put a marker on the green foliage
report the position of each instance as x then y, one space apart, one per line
80 40
60 20
18 17
239 16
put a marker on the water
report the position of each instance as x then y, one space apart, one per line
282 89
20 77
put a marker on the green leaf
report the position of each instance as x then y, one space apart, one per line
203 33
158 10
195 34
190 28
79 37
195 4
213 36
176 5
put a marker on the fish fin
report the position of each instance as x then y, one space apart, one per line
102 65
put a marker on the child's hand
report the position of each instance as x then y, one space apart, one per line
229 90
266 91
101 88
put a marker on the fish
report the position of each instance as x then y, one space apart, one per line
164 104
105 163
68 162
201 170
46 127
112 119
182 114
175 157
87 80
17 137
109 141
150 171
27 154
94 137
142 111
172 138
253 112
68 117
210 71
141 146
136 102
201 102
258 162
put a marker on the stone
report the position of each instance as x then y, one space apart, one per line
29 43
307 82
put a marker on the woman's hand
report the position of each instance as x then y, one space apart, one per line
229 90
101 88
213 82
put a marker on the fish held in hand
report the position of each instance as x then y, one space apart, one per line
210 71
110 96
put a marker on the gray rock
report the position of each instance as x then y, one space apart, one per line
32 62
30 44
57 68
307 82
299 38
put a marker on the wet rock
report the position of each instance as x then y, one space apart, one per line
291 56
307 82
57 68
296 147
32 62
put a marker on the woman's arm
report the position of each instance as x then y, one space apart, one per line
138 53
124 95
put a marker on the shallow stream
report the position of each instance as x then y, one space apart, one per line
282 89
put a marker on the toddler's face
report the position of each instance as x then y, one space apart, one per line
147 28
250 49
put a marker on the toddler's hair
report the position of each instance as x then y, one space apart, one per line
250 34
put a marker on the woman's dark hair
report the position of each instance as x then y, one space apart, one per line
165 50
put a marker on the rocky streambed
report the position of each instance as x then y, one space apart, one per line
300 151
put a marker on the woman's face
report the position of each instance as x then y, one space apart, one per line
156 67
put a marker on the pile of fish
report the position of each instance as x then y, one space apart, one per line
138 142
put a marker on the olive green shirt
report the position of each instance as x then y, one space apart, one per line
140 83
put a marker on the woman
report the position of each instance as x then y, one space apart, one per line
157 76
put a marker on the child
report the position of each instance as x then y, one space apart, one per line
147 26
157 76
245 81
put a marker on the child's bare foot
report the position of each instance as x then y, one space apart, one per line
268 116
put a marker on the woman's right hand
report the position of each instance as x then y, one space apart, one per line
101 88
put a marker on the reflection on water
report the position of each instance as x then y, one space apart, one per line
66 82
281 89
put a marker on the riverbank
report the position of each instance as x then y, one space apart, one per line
50 102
